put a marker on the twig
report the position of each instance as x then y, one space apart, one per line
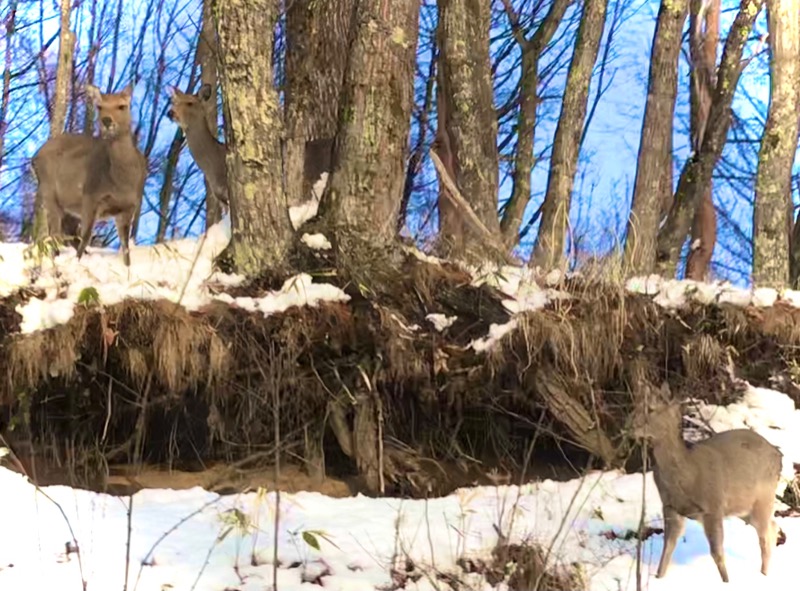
128 542
163 536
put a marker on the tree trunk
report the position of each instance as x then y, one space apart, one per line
697 171
5 97
703 49
467 124
771 216
206 58
548 251
63 71
653 184
526 120
262 232
59 112
318 39
91 66
363 196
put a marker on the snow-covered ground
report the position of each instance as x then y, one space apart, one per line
194 539
182 271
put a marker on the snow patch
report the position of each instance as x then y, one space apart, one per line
316 241
300 214
496 332
440 321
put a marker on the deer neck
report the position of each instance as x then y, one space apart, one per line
124 157
672 458
205 148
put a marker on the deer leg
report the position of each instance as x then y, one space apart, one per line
712 524
674 525
88 213
762 520
123 222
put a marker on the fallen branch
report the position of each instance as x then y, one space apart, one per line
454 195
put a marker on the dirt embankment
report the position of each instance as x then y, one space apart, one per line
369 392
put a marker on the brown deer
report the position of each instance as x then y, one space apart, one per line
94 177
188 111
732 473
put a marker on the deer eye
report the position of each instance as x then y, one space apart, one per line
121 108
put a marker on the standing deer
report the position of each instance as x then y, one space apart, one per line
189 113
94 177
732 473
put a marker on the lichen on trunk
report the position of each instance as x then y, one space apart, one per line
364 193
772 215
261 230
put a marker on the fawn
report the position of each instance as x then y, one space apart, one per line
94 177
732 473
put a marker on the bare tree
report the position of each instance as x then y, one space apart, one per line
772 216
206 58
703 50
531 50
5 98
696 174
466 140
652 190
262 232
548 251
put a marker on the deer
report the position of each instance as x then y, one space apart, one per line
732 473
94 177
189 113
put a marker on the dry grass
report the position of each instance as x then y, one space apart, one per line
207 384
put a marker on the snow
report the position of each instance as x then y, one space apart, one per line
180 271
300 214
496 332
440 321
194 539
316 241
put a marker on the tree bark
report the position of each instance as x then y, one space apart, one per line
262 232
63 71
10 26
364 193
699 168
653 183
318 39
467 124
206 58
771 217
531 50
59 112
548 251
703 49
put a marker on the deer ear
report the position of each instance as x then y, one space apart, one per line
205 92
664 392
93 93
127 91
